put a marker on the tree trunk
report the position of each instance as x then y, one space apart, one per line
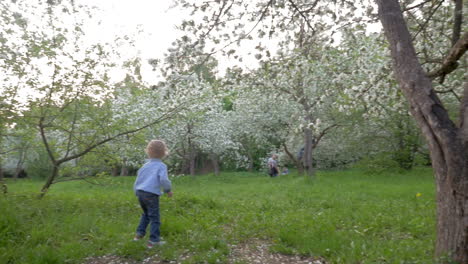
457 21
300 168
297 162
191 150
1 169
2 182
307 158
245 145
124 169
19 165
215 162
251 161
192 163
447 143
50 180
115 171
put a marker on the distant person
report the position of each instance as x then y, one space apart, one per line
285 171
151 178
273 169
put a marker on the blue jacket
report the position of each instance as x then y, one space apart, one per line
152 177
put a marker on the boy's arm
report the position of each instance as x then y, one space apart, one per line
165 182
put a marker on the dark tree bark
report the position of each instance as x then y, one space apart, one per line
50 180
192 163
124 169
115 171
215 161
457 21
447 142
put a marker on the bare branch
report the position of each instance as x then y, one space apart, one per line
323 133
450 62
302 13
290 155
78 178
218 16
94 145
449 91
8 151
265 10
416 6
428 19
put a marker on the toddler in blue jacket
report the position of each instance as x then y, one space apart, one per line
151 178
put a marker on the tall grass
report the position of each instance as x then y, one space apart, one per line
343 217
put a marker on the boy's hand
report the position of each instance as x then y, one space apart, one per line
169 194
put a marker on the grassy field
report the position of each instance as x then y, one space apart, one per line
341 217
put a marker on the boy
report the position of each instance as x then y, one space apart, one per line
150 179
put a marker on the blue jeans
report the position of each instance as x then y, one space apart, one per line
149 202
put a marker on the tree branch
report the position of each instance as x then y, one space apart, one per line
290 155
416 6
428 19
449 91
45 141
450 62
69 143
91 147
323 133
302 14
208 55
457 21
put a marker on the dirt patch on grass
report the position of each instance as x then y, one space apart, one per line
109 259
258 251
251 252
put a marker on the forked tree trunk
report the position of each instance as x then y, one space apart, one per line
447 142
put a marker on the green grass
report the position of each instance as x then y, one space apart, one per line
342 216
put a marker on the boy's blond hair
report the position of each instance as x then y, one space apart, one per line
156 149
